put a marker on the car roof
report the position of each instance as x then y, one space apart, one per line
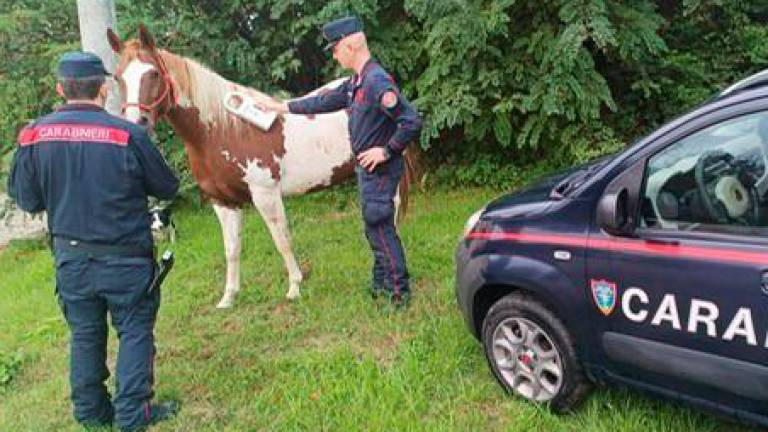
759 79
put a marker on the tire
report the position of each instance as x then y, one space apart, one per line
532 354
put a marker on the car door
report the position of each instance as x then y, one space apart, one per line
680 306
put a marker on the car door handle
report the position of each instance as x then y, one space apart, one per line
764 282
659 242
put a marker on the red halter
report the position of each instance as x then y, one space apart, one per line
168 90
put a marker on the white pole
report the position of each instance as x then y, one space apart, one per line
95 17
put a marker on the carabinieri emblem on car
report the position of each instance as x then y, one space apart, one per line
604 293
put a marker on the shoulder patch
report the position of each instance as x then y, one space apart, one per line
389 99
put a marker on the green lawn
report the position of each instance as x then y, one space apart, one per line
334 361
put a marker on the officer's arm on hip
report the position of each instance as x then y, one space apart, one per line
327 100
23 183
394 104
159 179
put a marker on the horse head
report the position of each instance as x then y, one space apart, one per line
148 89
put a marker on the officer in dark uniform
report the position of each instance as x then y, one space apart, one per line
92 172
381 124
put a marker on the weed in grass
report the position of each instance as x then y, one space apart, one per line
10 364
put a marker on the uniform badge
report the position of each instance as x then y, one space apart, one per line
389 100
605 294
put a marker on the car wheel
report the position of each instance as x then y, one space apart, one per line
532 354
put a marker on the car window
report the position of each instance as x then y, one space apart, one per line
714 180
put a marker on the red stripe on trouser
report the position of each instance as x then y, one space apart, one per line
382 182
391 259
147 409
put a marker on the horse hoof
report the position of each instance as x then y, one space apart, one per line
293 295
225 304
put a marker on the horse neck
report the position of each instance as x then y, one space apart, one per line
200 114
188 125
185 117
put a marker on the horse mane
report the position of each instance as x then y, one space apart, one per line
199 86
203 89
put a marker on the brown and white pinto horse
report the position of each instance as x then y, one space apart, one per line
233 161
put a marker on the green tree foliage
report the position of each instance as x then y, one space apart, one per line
502 83
710 45
521 77
33 33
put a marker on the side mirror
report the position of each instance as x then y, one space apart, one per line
613 213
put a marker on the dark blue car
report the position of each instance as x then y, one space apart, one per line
647 269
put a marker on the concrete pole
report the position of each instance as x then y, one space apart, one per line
95 17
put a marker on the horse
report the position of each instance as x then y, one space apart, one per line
234 162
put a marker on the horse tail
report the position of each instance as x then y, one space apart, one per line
410 176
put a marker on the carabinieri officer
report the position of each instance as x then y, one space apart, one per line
92 173
381 125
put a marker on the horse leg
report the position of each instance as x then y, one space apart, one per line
269 202
231 220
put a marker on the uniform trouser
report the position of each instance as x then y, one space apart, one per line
88 288
377 192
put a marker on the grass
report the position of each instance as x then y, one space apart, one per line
334 361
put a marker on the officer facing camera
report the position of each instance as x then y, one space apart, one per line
382 123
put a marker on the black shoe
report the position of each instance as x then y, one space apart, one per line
103 424
158 412
377 291
400 300
163 411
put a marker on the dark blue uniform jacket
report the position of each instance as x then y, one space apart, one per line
370 124
92 172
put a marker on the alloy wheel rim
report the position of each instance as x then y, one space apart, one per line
527 359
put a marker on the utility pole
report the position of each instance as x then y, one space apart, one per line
95 17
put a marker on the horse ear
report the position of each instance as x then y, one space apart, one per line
114 41
147 41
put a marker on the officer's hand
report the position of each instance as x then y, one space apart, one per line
372 157
266 103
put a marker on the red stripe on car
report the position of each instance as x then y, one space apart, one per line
628 246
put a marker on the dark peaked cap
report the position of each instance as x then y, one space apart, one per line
80 64
337 30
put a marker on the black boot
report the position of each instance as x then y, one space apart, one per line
377 291
400 300
164 411
158 412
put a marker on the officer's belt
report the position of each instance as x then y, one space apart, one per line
73 245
